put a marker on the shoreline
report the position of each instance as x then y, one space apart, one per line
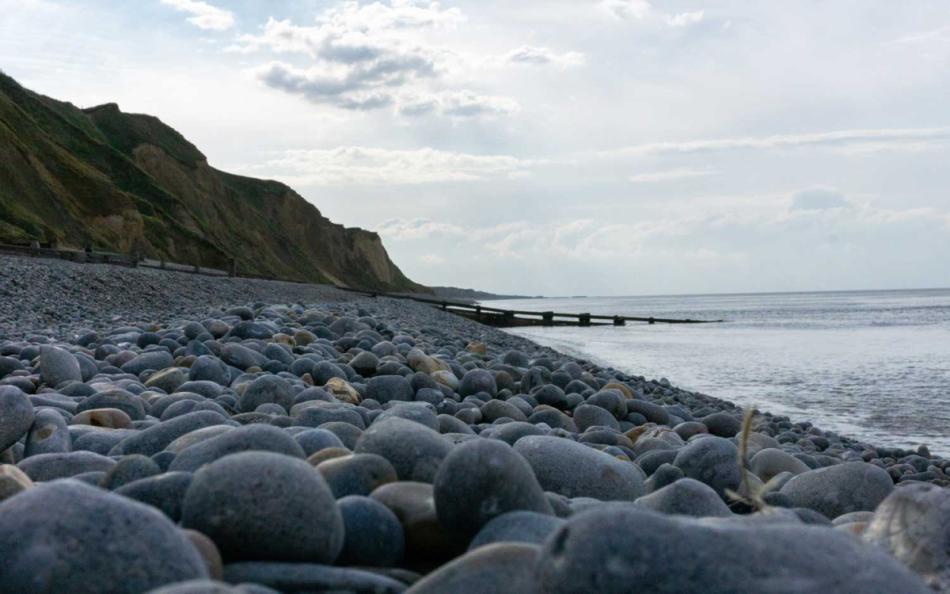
361 444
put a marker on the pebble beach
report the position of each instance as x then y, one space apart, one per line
172 433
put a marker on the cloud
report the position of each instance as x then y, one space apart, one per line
355 165
670 175
432 259
203 15
541 55
644 11
371 56
819 199
872 139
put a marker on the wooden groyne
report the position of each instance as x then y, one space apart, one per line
510 318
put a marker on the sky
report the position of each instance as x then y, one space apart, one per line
556 147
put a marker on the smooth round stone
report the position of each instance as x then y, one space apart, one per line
101 441
255 437
314 440
209 368
357 474
512 432
48 467
482 479
16 415
348 434
653 413
550 395
610 400
913 524
265 506
58 366
315 414
722 424
478 380
575 470
374 536
499 567
157 437
128 469
839 489
267 389
167 380
12 481
48 434
197 436
414 451
208 550
686 497
165 492
386 388
125 401
156 360
311 577
450 424
66 536
770 462
8 365
109 418
418 412
499 409
689 429
619 548
427 541
587 415
711 460
518 526
241 357
365 363
665 474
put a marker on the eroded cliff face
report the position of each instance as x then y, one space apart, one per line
127 181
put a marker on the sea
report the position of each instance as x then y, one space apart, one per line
874 365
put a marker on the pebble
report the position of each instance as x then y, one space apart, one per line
913 525
839 489
356 474
263 438
415 451
517 526
618 549
311 577
16 415
66 536
58 366
711 460
48 467
165 492
48 434
374 536
264 506
482 479
12 481
686 497
576 470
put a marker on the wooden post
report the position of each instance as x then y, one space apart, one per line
619 321
584 319
548 318
478 311
445 305
652 321
509 318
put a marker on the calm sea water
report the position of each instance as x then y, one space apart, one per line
871 364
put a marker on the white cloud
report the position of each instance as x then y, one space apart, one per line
541 55
203 15
371 56
670 175
871 139
644 11
374 166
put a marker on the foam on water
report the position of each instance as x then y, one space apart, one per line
871 364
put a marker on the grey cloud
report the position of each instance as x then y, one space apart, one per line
819 199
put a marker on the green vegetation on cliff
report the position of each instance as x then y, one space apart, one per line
124 182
